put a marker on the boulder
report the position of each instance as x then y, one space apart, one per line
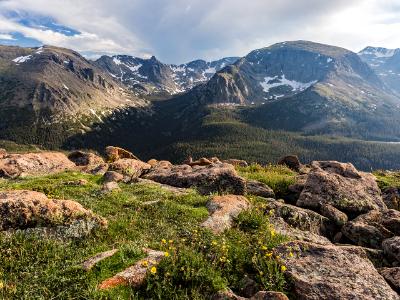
131 169
111 176
220 178
35 164
329 272
23 209
3 153
152 162
263 295
236 162
376 256
78 182
88 162
257 188
135 275
391 247
290 161
108 187
248 287
295 189
392 276
223 210
201 162
227 295
300 218
92 261
372 228
391 197
333 214
115 153
342 186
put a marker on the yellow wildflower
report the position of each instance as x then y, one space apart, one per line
170 241
214 243
261 273
145 263
1 285
291 254
269 254
163 241
166 253
264 248
153 270
283 268
273 232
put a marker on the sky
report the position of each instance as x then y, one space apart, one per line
178 31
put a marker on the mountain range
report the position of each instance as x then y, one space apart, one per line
307 91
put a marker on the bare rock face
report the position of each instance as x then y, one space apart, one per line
207 179
131 169
135 275
115 153
34 164
27 209
291 161
392 276
300 218
333 214
236 162
342 186
391 247
257 188
372 228
223 210
88 162
320 272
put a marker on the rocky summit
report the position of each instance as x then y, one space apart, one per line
203 229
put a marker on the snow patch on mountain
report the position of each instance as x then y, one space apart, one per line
272 82
22 59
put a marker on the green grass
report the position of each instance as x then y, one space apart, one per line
198 265
275 176
387 179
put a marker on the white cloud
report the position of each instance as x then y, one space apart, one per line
6 36
180 30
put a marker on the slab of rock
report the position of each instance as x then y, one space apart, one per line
131 169
392 276
342 186
329 272
87 162
391 197
115 153
391 247
221 178
257 188
376 256
135 275
300 218
27 209
236 162
111 176
223 210
92 261
372 228
290 161
35 164
333 214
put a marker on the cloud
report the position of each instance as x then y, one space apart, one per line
6 36
182 30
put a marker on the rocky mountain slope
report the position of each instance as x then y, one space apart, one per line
204 229
155 79
386 63
48 87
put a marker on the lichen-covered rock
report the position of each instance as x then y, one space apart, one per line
254 187
372 228
115 153
34 164
392 276
376 256
300 218
391 247
327 272
236 162
223 210
391 197
87 162
333 214
135 275
131 169
291 161
23 209
342 186
111 176
220 178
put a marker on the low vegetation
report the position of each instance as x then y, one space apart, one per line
197 263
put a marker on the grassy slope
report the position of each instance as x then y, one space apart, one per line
198 264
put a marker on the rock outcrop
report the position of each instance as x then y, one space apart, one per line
88 162
254 187
217 177
115 153
131 169
22 210
329 272
35 164
236 162
342 186
392 276
290 161
223 210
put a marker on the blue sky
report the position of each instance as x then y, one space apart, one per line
177 31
